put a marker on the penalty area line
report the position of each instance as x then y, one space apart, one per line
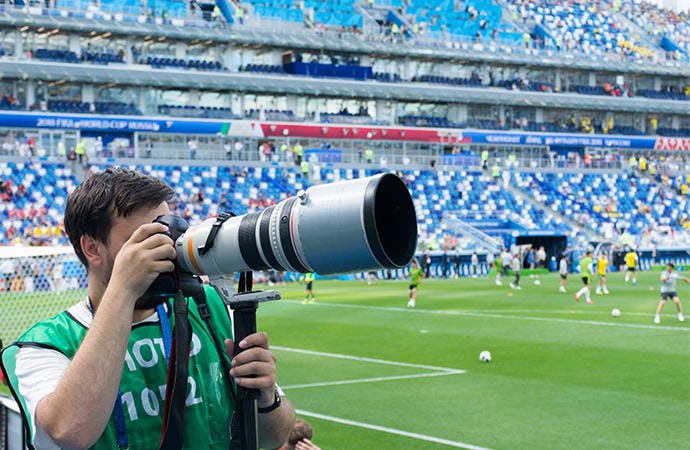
372 380
365 359
373 427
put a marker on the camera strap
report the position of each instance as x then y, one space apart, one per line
215 228
176 386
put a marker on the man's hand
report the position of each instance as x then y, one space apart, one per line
146 254
255 366
306 444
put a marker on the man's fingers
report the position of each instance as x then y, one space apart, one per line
252 369
148 230
253 354
163 251
255 340
255 366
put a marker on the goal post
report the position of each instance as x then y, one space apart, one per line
36 283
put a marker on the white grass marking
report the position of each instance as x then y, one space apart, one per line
364 359
504 316
371 380
438 371
573 312
369 426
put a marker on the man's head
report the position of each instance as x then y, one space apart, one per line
95 204
301 430
413 263
670 266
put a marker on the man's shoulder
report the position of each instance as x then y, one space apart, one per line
64 330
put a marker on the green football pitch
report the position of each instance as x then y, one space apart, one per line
369 373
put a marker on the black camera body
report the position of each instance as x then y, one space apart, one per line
168 283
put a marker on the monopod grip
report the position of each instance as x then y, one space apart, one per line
244 324
244 420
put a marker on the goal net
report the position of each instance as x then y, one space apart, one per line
36 283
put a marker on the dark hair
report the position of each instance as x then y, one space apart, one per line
671 265
300 430
116 192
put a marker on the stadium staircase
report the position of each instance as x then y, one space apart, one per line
518 189
481 239
227 9
374 16
513 26
275 183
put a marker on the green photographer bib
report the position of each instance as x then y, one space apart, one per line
208 406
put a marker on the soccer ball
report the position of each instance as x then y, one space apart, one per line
537 282
616 312
485 356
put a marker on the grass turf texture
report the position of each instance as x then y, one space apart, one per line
564 375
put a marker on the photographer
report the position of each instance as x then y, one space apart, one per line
111 348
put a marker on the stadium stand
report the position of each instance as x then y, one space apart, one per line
598 27
564 203
32 203
339 13
452 66
473 20
589 28
264 68
210 112
165 62
282 10
118 108
663 24
56 55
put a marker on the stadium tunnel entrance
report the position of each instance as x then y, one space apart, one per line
554 245
114 143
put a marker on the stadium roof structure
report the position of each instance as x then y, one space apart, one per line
250 82
296 38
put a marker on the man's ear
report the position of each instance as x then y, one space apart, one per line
93 250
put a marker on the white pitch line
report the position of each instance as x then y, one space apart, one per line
565 311
503 316
365 359
372 380
369 426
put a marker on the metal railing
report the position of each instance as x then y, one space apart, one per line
12 436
